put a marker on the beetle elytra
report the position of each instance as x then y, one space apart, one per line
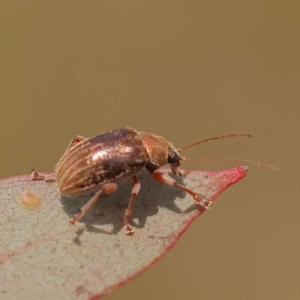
102 162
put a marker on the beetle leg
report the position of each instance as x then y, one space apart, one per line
108 188
128 213
37 176
175 171
166 179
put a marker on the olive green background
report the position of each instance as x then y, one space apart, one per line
185 70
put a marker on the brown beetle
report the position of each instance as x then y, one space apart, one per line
103 161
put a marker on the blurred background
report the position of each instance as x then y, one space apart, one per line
186 70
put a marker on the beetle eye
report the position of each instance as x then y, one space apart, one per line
173 157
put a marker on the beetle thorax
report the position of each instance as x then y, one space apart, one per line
157 148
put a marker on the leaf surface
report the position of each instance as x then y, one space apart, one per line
44 257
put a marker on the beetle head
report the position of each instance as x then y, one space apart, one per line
160 152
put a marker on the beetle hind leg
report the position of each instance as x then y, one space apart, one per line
108 188
37 176
128 213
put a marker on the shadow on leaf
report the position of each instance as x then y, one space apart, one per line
110 209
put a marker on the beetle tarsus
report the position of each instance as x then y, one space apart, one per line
36 176
128 229
205 204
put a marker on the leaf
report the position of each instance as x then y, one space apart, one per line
44 257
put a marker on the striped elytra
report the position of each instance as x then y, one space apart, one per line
108 157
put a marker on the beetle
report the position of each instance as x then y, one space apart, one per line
102 162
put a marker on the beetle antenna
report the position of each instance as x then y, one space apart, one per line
257 163
215 138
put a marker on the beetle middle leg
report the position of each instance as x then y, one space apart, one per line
128 213
108 188
166 179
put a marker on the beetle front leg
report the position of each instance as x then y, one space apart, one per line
108 188
128 213
166 179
